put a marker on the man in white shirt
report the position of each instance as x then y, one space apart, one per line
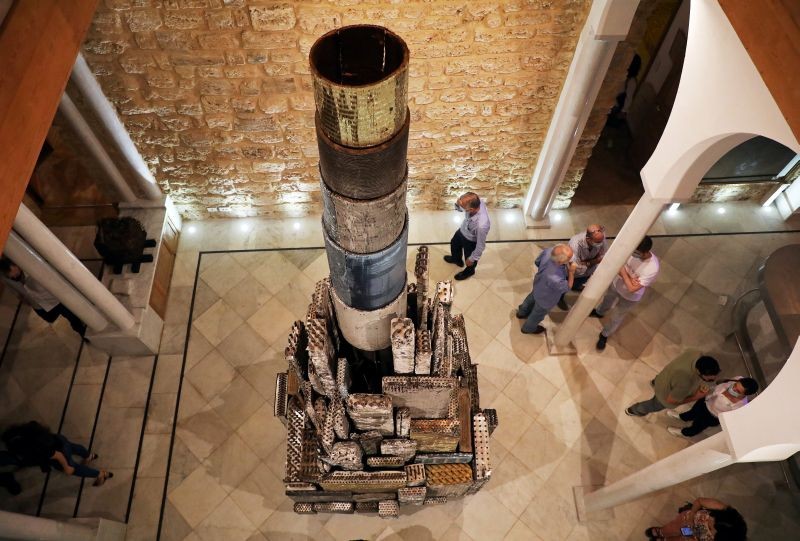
45 304
470 238
628 288
727 396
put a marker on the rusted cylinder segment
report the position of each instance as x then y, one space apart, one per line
363 173
368 281
363 226
360 76
368 330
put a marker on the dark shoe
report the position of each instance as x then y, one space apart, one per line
539 330
653 382
453 260
562 303
601 342
520 316
596 314
629 411
463 275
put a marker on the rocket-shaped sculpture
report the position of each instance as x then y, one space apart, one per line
360 76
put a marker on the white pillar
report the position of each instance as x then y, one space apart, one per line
95 148
35 233
35 267
84 80
15 526
631 234
705 456
608 23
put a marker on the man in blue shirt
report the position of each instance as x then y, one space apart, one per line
554 278
470 239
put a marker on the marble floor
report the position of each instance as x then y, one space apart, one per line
210 455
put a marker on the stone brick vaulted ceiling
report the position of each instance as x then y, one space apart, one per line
217 94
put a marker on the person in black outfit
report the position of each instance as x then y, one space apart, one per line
34 445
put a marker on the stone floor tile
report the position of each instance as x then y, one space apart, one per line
211 375
222 273
262 432
275 272
243 346
218 322
521 532
491 312
237 402
486 518
272 321
231 463
260 494
203 432
226 523
498 364
247 296
197 496
168 373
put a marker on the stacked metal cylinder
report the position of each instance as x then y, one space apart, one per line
360 76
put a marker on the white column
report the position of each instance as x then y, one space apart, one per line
705 456
633 231
15 526
35 267
608 23
95 148
84 80
35 233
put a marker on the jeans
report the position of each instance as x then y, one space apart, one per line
60 310
648 406
701 419
533 312
621 310
68 449
458 244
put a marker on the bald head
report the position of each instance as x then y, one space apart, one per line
595 233
561 254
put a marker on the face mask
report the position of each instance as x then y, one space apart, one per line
732 391
637 254
458 207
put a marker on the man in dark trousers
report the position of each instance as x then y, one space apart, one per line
555 277
468 243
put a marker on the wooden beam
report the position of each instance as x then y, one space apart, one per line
39 41
770 31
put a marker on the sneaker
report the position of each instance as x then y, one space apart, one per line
452 260
629 411
674 414
463 275
539 330
596 314
562 303
676 432
601 342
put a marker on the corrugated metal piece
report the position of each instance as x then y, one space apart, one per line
363 173
388 509
435 435
450 480
428 397
364 226
360 76
302 508
368 330
385 461
361 481
411 495
367 507
443 458
403 338
347 508
415 474
368 281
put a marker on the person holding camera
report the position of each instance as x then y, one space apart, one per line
705 519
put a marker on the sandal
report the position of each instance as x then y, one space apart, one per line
91 458
104 475
654 532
